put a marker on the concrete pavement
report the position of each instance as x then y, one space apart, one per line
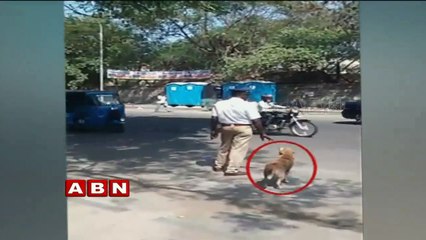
175 195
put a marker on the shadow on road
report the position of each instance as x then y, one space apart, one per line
277 134
247 222
348 123
168 156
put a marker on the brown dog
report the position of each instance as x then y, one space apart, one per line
280 168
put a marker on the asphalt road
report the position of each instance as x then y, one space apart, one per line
174 193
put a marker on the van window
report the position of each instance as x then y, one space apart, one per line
107 99
73 100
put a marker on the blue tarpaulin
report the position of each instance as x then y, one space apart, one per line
257 89
185 93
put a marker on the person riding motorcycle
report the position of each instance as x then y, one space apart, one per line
266 105
276 118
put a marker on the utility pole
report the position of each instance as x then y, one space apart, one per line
101 56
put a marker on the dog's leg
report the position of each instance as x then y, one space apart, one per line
278 183
280 177
268 173
285 180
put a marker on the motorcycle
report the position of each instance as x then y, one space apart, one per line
277 120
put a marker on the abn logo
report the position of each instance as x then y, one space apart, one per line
97 188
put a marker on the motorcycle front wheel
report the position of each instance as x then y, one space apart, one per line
308 129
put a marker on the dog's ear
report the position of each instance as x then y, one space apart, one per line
281 151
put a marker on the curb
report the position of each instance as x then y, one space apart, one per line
199 109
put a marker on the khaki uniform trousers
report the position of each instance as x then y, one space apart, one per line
234 146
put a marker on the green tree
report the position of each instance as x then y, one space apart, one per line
241 37
123 49
178 56
214 29
296 49
314 36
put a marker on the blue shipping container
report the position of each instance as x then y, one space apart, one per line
185 93
257 89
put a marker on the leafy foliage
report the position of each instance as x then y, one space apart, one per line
297 49
122 49
237 38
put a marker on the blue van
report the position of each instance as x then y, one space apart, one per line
94 110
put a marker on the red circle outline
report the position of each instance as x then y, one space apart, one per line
311 180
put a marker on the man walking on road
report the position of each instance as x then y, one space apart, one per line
162 102
233 118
